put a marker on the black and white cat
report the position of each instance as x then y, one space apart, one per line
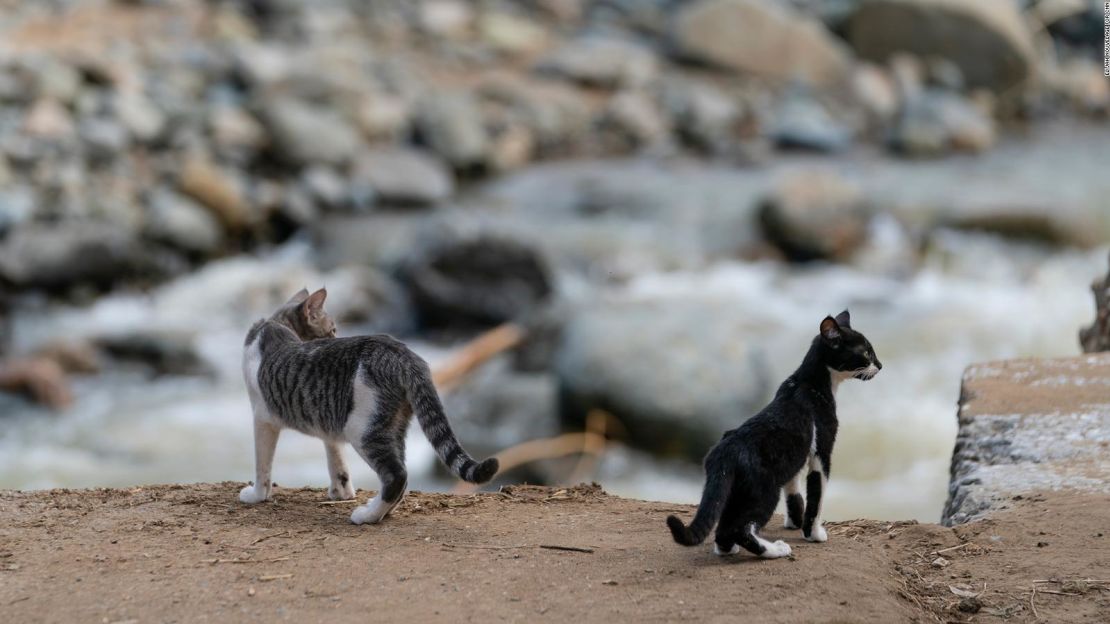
362 390
769 452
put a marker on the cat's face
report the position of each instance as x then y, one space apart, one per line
304 314
848 351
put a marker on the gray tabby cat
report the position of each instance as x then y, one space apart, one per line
362 390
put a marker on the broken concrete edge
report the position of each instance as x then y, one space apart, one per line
1029 425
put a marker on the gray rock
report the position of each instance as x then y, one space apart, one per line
326 186
511 34
104 139
140 116
875 91
761 38
600 62
676 374
17 206
815 215
297 206
987 39
232 128
636 119
56 80
703 115
938 122
182 223
384 116
262 65
61 255
556 114
451 125
404 176
801 122
304 133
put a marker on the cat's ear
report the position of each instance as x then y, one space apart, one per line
314 304
299 297
844 319
830 330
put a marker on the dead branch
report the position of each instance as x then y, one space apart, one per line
475 353
534 450
580 549
593 444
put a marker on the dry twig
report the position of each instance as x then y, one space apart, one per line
215 561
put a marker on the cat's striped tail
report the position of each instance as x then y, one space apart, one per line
429 413
718 482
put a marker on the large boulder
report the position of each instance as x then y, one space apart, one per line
676 374
475 279
815 215
73 253
160 352
762 38
987 39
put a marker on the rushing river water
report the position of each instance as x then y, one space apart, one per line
975 298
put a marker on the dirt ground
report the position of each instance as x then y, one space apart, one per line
191 553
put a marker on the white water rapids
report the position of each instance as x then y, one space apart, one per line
975 298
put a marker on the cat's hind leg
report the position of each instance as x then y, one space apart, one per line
341 487
754 513
383 447
265 441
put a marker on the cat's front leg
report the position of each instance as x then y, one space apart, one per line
795 505
341 488
816 482
265 441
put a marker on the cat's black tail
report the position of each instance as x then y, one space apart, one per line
429 413
718 482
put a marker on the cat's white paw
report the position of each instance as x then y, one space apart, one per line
252 495
787 523
819 534
374 511
344 492
721 553
776 549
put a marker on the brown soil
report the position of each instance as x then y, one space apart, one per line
192 553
